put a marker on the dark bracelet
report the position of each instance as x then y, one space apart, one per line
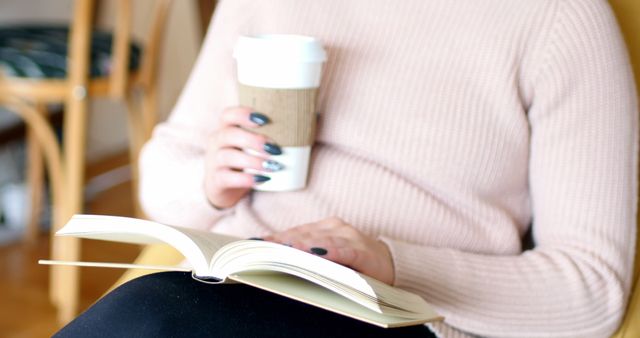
209 201
213 205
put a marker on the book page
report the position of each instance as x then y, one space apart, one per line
307 292
244 256
197 246
208 242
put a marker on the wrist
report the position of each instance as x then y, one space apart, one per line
387 263
210 201
211 204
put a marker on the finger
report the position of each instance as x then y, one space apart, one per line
242 116
233 137
238 159
229 179
282 238
322 242
326 228
338 249
353 257
308 241
292 235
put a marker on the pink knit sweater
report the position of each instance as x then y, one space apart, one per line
447 128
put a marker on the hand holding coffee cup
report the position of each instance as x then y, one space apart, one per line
226 166
278 77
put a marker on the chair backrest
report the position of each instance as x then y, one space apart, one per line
81 26
120 49
153 42
122 40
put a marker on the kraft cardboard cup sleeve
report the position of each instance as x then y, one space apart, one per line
279 76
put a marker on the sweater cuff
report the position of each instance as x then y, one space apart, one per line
423 273
412 268
172 188
401 263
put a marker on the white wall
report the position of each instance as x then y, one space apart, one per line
108 129
12 11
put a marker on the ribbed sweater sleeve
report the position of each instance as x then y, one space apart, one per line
582 177
172 162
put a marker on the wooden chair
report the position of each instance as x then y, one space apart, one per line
72 85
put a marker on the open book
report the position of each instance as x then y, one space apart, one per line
273 267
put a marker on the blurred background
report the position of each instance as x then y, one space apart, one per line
38 80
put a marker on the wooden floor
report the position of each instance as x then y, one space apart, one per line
25 310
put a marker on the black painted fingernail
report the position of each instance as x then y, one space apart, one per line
256 239
271 165
259 119
260 178
272 149
319 251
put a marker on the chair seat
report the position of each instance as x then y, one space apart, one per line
40 51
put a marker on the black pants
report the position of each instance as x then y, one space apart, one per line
172 304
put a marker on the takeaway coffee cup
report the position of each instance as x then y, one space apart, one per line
279 76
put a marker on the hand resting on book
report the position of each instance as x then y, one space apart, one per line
344 244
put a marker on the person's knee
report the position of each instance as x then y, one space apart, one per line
141 307
150 287
149 296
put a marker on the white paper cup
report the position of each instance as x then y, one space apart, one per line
282 67
279 61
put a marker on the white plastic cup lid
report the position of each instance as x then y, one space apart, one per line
280 48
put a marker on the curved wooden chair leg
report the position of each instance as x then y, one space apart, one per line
45 137
35 181
64 280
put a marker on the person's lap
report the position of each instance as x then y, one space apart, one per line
172 304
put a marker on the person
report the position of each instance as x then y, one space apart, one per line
448 131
